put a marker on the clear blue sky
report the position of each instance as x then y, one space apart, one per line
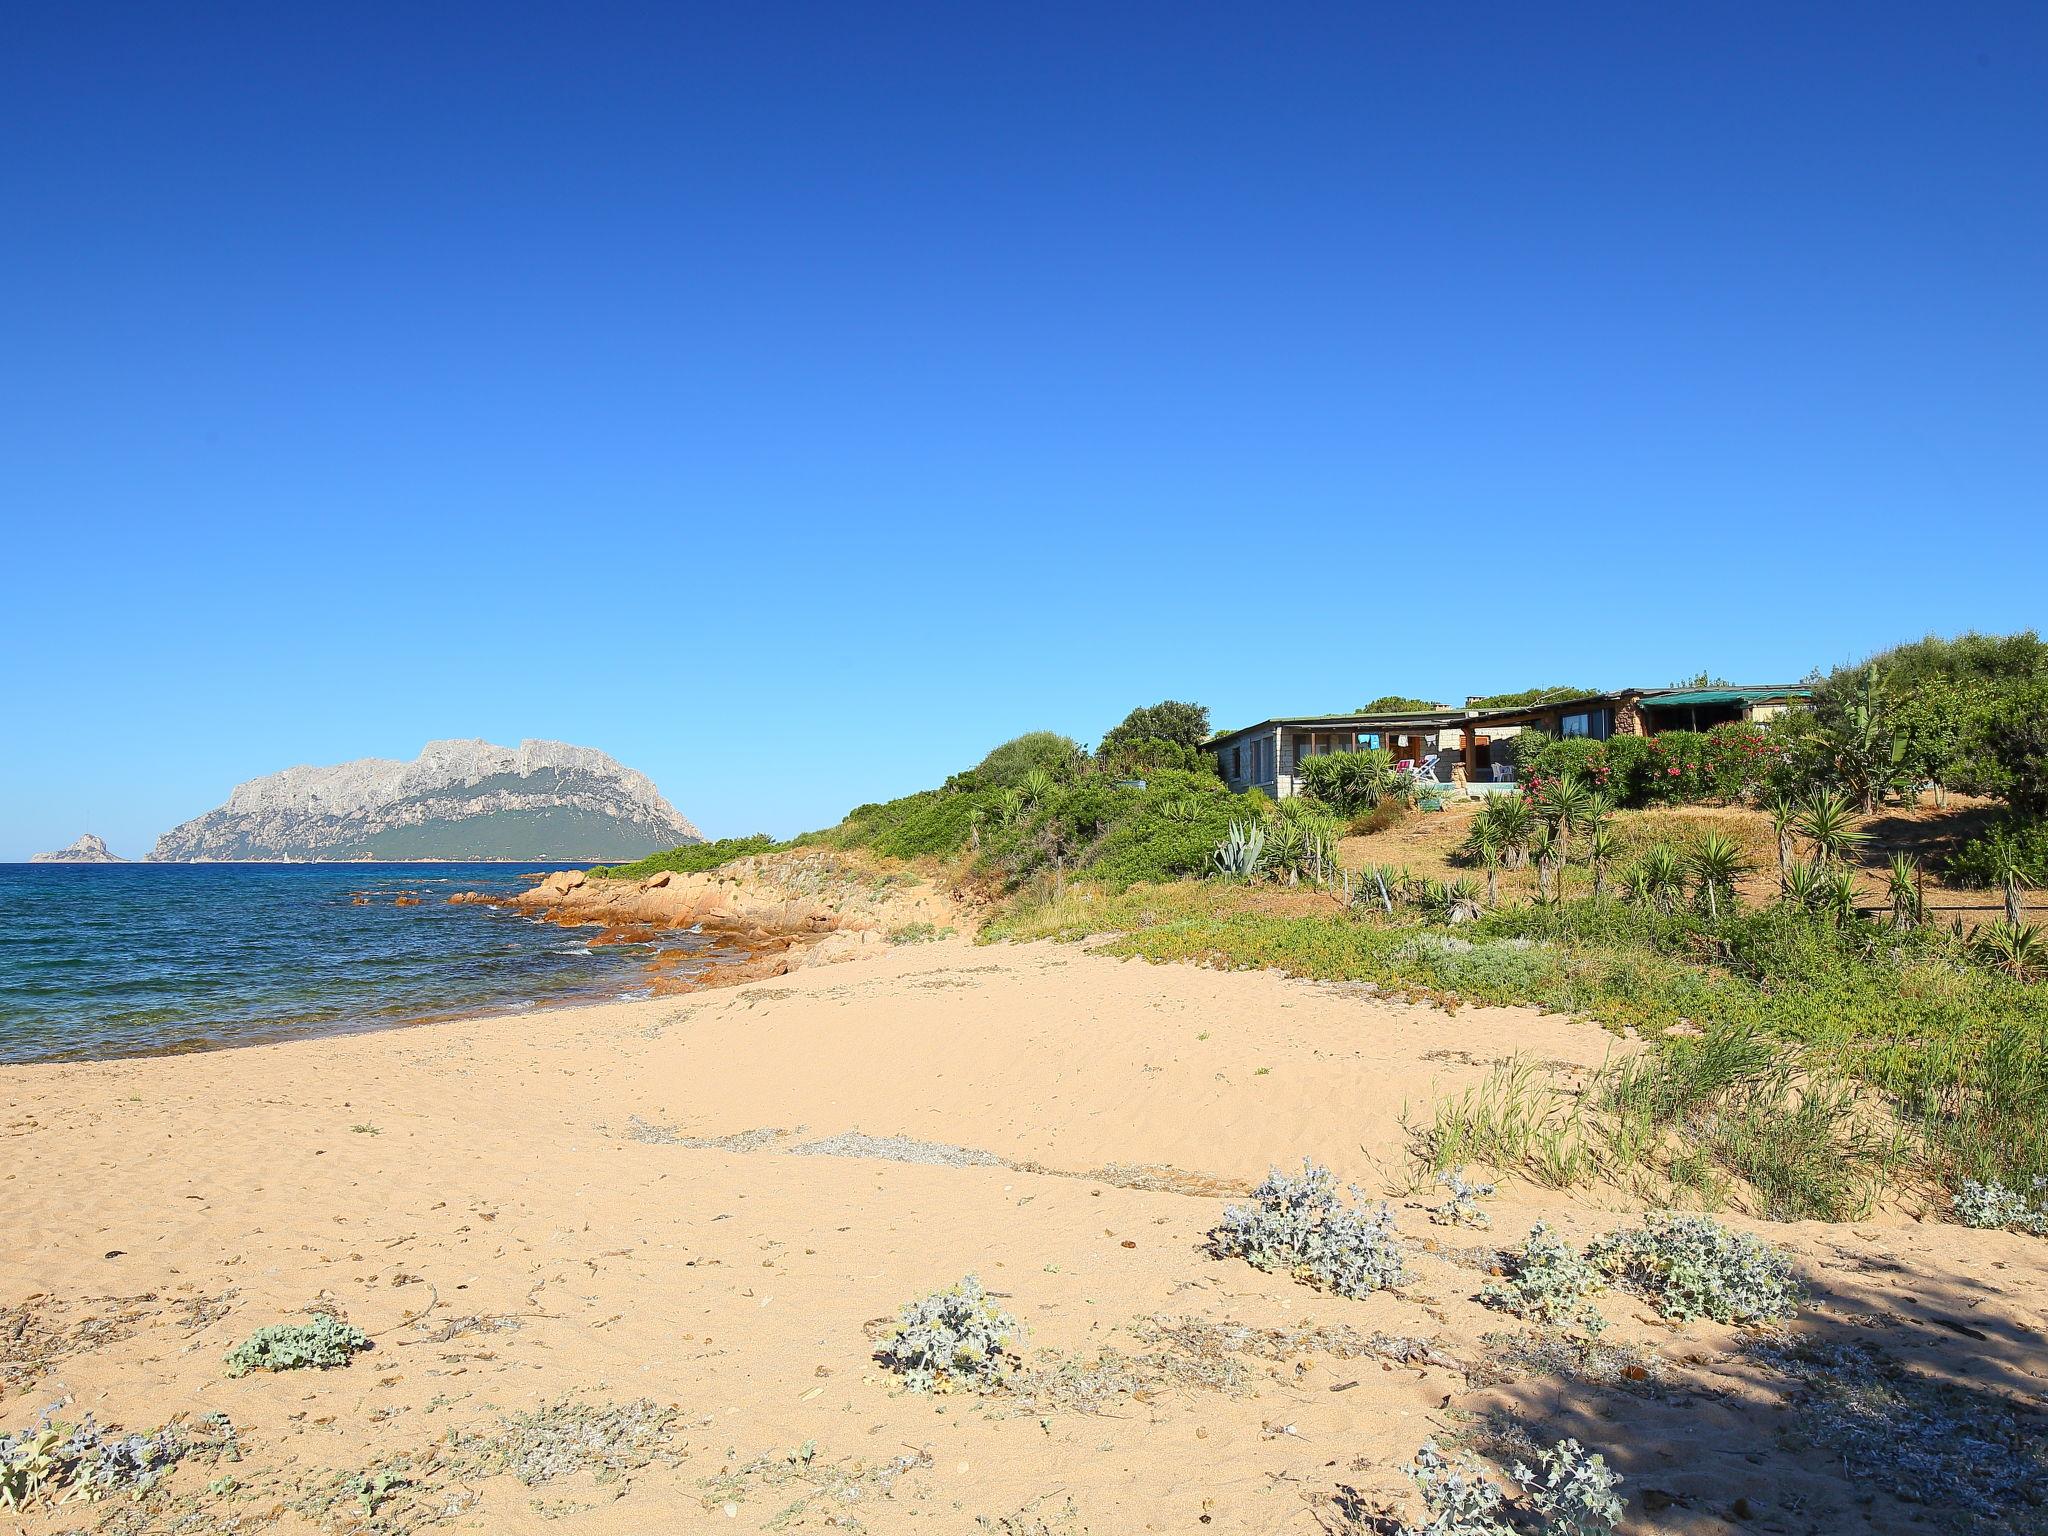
794 400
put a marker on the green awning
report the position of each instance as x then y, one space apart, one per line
1719 696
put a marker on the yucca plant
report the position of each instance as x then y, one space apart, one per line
1381 881
1545 849
1784 813
1488 851
1828 821
1039 786
1837 895
2014 948
1903 885
2011 872
1462 902
1717 863
1564 803
1658 880
1802 886
1513 819
1601 848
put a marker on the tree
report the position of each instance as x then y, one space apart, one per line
1395 704
1171 720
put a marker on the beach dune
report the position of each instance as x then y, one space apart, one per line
623 1267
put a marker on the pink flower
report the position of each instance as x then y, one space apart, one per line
1672 771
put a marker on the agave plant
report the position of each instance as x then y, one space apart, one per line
1828 821
1658 880
1903 885
2015 948
1241 853
1717 863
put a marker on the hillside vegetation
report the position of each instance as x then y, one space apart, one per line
1823 1039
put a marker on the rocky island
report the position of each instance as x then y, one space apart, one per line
544 800
89 849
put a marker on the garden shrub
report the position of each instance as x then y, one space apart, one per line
1992 1204
1547 1281
1300 1227
1689 1266
1006 766
953 1340
322 1341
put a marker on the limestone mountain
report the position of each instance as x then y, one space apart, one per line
545 800
89 849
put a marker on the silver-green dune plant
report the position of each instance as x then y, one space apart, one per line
954 1340
1463 1208
1241 854
1571 1492
57 1461
321 1342
1689 1266
1299 1227
1991 1204
1547 1280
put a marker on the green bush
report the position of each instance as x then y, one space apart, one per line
1009 764
2017 842
691 858
1347 782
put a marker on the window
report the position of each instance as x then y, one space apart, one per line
1596 723
1237 762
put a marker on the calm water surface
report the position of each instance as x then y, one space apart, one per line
101 960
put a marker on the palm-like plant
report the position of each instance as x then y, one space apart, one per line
1545 849
1837 894
1717 863
1601 848
1513 819
1488 848
1903 885
1461 901
1784 813
1658 880
1802 887
1039 786
1565 802
2015 948
2014 877
1828 821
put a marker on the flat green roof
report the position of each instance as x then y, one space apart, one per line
1721 696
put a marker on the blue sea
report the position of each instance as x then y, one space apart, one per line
101 960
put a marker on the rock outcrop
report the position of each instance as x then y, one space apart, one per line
456 800
89 849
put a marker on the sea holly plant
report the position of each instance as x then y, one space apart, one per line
954 1340
1689 1266
55 1461
1463 1208
1992 1204
1570 1492
321 1342
1300 1227
1546 1280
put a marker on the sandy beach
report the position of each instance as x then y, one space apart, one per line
711 1202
